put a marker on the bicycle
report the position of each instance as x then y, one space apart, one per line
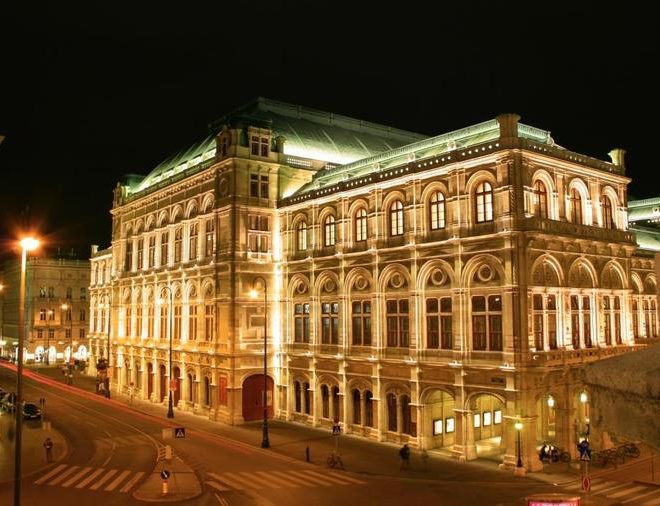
631 450
334 460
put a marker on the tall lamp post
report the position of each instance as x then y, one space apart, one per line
27 244
170 407
265 443
520 470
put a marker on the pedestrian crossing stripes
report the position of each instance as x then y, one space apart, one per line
632 493
258 480
134 440
106 480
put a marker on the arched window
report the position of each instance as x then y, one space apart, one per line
368 409
576 206
437 218
540 199
329 231
307 398
325 400
484 202
406 416
391 413
606 208
361 225
298 398
301 239
396 218
357 413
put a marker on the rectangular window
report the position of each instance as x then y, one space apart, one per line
586 320
330 323
497 417
83 293
254 185
487 323
138 321
178 237
83 315
192 242
209 322
150 322
151 261
42 292
301 323
209 248
177 322
575 322
51 292
397 322
254 145
264 186
128 264
361 323
163 322
127 322
487 418
69 293
40 334
192 323
51 315
67 333
51 333
42 315
439 323
223 398
437 426
476 420
164 246
449 425
81 333
140 247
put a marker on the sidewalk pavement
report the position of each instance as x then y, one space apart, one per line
33 454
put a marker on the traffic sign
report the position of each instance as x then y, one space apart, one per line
164 474
336 429
173 385
586 483
179 432
585 452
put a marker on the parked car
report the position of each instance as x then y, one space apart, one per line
31 411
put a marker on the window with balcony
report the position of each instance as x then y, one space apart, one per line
397 323
484 202
487 323
361 322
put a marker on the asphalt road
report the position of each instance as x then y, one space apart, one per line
107 435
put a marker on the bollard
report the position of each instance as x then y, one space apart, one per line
164 487
307 453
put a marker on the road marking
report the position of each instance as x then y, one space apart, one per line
61 477
341 479
323 483
52 473
107 476
117 481
218 486
131 482
638 488
70 482
639 497
613 486
267 481
281 481
300 481
232 484
246 480
221 500
90 478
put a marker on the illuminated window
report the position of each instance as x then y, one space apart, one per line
540 199
487 418
138 321
437 426
140 252
163 322
497 416
329 231
361 322
164 245
477 420
396 218
606 209
437 211
151 257
450 425
192 323
301 236
192 241
487 323
330 323
576 205
177 322
42 315
209 248
178 237
150 321
484 202
439 323
209 322
361 225
397 320
301 323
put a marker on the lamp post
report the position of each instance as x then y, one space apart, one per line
265 443
27 244
170 407
520 470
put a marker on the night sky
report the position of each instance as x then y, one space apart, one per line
88 94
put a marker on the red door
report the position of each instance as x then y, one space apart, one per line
253 395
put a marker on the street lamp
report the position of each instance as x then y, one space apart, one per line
27 244
264 442
170 407
519 426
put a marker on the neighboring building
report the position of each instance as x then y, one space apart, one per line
56 309
424 290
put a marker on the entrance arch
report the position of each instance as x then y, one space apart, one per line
253 397
487 424
439 420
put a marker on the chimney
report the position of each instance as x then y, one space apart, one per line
618 157
95 248
508 126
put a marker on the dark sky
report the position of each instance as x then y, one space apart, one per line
88 94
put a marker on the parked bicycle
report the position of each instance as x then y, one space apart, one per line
334 460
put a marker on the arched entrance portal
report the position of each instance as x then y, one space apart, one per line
253 395
439 420
487 422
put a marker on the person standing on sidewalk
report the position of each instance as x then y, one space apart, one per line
48 445
404 453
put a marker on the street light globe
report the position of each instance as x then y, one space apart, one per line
29 243
551 401
583 397
253 293
518 426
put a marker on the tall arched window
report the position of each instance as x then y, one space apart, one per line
484 202
361 225
540 199
325 401
329 231
357 413
576 206
368 409
396 218
606 208
301 236
298 398
437 211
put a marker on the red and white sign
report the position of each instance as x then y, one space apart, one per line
586 483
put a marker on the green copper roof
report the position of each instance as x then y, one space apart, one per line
309 133
645 209
646 238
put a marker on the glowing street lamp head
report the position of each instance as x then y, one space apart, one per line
518 426
254 293
551 401
29 243
65 307
583 397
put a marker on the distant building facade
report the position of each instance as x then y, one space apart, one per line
429 290
56 309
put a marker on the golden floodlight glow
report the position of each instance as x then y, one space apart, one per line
253 293
518 425
29 243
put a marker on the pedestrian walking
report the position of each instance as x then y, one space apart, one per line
48 445
404 453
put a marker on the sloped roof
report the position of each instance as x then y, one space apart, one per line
309 133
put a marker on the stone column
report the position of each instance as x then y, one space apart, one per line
464 448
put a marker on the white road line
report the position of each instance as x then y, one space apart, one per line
247 481
131 482
107 476
231 483
265 481
117 481
284 483
51 473
221 500
602 491
640 497
288 477
312 479
634 489
342 480
90 478
218 486
79 475
603 485
66 473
